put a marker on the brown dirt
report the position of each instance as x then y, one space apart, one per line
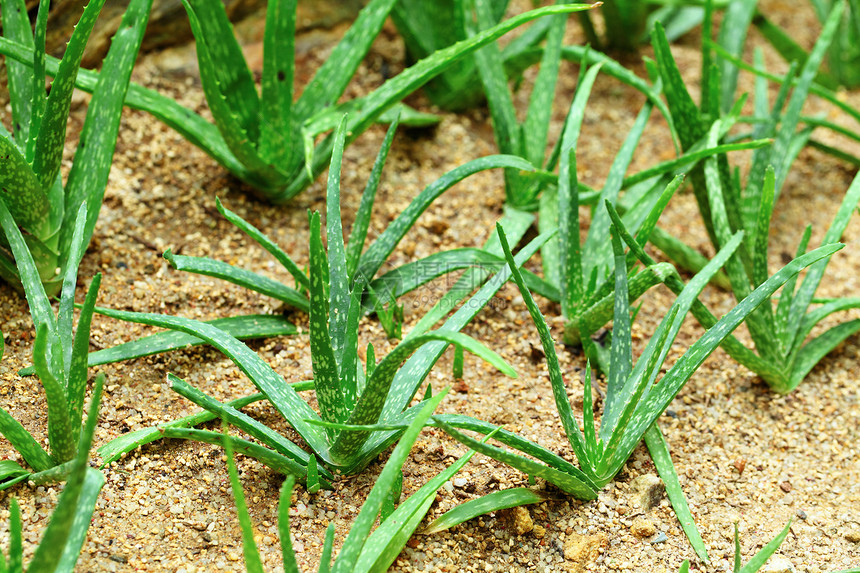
743 453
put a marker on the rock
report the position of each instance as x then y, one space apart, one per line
539 531
582 550
853 535
642 528
647 490
522 520
777 564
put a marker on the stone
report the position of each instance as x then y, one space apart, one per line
777 564
642 528
647 489
852 535
583 550
521 520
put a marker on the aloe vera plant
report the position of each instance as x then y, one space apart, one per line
783 355
61 542
60 358
258 137
377 294
634 397
33 190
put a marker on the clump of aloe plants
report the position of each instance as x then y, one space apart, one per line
783 355
32 187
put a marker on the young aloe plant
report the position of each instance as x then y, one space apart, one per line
32 187
60 358
257 136
783 355
634 397
362 265
61 543
348 395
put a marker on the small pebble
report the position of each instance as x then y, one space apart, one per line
801 514
853 535
522 520
643 527
648 490
777 564
459 482
661 538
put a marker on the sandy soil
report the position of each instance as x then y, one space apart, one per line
743 453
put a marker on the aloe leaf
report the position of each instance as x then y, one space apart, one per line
24 443
360 530
16 550
11 470
277 83
230 77
489 65
659 451
689 159
71 517
113 450
16 26
234 417
253 564
372 400
338 279
495 501
568 422
288 555
67 294
358 234
241 277
283 397
760 558
36 57
52 131
22 191
61 435
327 380
91 167
621 357
241 327
93 482
76 382
379 251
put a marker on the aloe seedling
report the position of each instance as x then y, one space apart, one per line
60 358
783 355
758 560
32 188
634 397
